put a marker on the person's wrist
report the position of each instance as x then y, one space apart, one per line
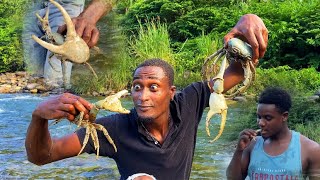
36 115
239 150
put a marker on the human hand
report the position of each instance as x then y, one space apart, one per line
85 28
251 29
63 106
245 138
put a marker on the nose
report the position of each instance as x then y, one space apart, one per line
143 95
261 122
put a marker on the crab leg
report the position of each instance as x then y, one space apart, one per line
106 134
204 70
217 102
86 139
94 136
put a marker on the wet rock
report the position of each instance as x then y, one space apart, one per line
57 91
21 73
4 89
94 93
34 90
31 86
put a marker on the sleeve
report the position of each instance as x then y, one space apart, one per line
193 100
197 94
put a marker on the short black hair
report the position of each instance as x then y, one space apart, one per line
277 96
166 67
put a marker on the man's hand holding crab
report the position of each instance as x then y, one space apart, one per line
251 29
66 106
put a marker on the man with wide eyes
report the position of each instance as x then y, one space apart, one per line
279 153
158 137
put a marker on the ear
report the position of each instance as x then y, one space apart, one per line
285 116
172 92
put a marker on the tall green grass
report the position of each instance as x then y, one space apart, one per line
191 56
152 41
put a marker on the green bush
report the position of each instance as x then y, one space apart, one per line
293 25
11 21
297 82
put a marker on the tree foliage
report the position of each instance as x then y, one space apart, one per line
10 34
293 25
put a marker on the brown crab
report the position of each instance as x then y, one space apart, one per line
110 103
237 50
71 48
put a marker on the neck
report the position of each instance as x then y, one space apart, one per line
158 128
282 137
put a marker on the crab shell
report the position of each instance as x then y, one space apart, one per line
75 49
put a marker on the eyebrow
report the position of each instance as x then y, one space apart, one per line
149 77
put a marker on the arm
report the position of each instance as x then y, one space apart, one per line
313 154
40 147
233 75
239 163
85 23
250 28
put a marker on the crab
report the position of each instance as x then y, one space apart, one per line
237 50
110 103
71 48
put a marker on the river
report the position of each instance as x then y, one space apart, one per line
210 160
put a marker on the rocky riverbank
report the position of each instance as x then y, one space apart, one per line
22 82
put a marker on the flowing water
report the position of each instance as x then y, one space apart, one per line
210 160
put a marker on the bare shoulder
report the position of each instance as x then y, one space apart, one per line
309 146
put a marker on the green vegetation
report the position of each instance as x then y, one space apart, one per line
11 23
294 34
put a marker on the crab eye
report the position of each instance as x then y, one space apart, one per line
136 87
154 87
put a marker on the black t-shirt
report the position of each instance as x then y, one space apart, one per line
139 153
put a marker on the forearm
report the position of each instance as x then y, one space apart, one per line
97 8
233 76
38 141
234 169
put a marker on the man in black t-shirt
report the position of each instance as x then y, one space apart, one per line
160 131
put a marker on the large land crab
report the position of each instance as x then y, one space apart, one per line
69 48
110 103
239 51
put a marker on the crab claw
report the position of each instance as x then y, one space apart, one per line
74 48
218 105
112 103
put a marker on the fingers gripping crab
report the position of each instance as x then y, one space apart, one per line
237 50
110 103
71 48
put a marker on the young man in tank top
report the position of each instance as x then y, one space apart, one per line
279 153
